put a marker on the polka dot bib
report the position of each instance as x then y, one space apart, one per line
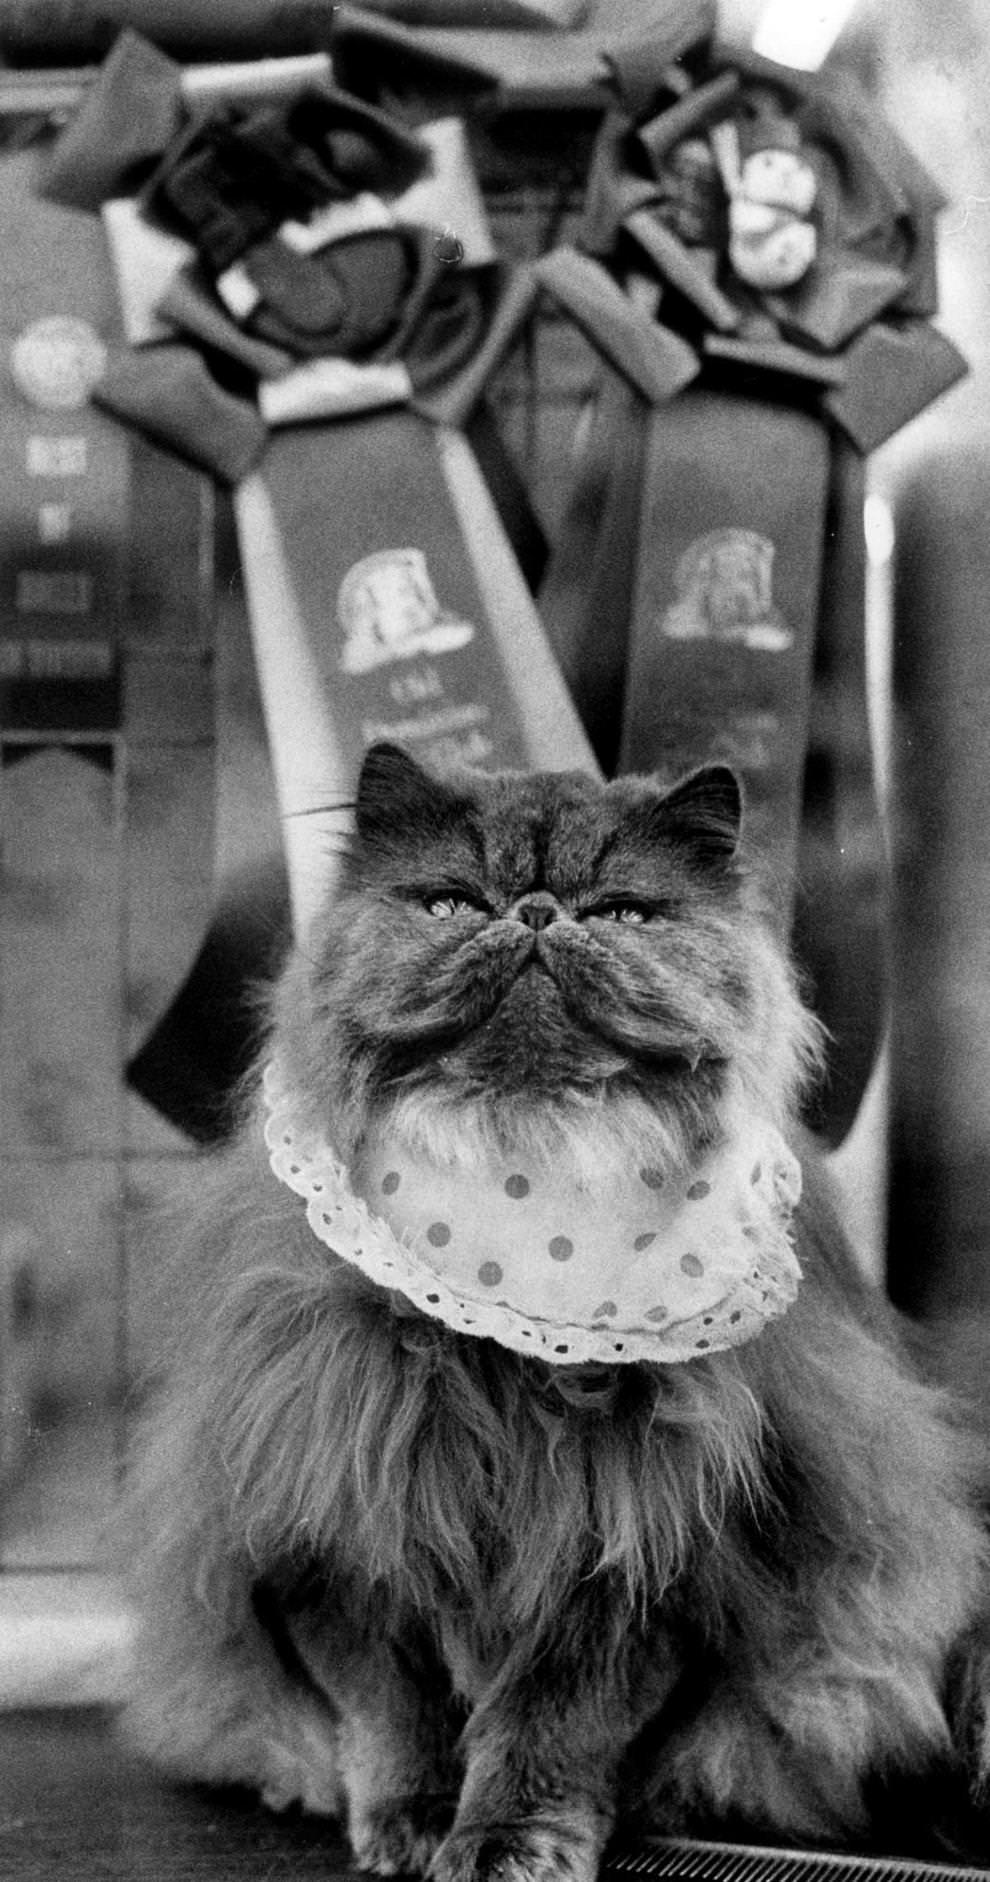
639 1267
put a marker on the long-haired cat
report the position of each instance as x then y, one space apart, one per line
485 1602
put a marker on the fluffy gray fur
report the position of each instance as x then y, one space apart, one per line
483 1608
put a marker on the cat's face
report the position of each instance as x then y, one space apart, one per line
527 940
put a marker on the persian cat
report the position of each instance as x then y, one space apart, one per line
529 1456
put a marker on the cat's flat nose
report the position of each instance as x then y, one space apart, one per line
537 910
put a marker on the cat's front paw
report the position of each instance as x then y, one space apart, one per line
539 1849
400 1837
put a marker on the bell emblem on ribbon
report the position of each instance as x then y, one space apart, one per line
724 583
388 610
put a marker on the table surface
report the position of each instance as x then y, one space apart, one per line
75 1807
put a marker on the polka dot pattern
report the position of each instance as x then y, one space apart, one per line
610 1267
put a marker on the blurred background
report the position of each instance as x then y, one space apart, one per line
136 783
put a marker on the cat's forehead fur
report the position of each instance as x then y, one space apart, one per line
523 831
542 830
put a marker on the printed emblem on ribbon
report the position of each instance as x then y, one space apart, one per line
388 610
724 584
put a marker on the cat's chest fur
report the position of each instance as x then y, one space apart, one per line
440 1475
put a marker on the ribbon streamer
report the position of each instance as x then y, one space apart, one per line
788 237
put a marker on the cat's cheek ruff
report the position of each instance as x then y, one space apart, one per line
431 995
690 998
685 1274
336 1020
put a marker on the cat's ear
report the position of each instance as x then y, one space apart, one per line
395 792
703 814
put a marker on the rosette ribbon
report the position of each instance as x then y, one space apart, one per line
791 232
706 597
303 286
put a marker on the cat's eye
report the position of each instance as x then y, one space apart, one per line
632 914
447 907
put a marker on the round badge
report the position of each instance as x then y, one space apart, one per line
56 362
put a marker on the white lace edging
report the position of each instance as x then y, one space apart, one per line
344 1224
